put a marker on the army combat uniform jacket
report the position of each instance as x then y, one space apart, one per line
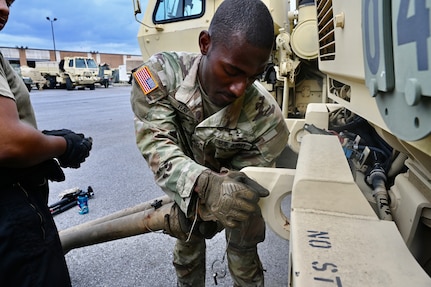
178 142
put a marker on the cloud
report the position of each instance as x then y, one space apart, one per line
81 25
7 40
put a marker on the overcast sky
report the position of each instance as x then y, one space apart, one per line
106 26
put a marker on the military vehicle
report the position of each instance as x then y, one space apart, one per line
105 75
28 82
352 79
69 73
37 80
25 78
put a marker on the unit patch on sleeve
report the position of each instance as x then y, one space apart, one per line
145 79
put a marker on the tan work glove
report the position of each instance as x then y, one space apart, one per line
230 197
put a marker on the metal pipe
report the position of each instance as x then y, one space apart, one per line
133 221
398 164
151 204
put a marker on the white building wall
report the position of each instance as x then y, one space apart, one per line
37 55
10 53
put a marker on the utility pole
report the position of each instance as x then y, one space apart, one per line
52 31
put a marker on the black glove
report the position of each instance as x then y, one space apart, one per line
77 150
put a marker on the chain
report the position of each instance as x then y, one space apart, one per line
218 267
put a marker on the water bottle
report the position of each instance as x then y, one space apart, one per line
83 204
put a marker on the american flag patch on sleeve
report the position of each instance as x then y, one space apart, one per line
145 79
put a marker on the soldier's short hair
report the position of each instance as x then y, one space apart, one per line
248 18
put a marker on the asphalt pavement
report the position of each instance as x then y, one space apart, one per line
120 179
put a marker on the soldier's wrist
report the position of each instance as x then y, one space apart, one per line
202 183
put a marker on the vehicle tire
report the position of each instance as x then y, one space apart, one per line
28 87
92 87
69 84
106 83
51 83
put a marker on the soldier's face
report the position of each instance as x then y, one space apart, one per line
226 71
4 12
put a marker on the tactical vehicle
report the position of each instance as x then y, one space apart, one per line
37 80
352 79
25 78
70 72
105 75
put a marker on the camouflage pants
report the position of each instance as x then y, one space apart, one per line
243 260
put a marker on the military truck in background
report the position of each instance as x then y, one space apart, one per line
69 73
352 80
37 80
28 82
105 75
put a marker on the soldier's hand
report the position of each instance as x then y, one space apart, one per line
77 150
230 197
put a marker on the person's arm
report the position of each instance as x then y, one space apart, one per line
157 139
21 145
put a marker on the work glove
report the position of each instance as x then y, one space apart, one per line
77 150
231 197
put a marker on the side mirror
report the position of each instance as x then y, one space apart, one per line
137 7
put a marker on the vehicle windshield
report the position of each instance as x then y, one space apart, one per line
91 63
80 63
85 63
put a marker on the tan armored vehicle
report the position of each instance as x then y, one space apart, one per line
36 77
70 72
25 78
105 75
354 84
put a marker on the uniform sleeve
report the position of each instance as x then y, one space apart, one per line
4 84
265 119
4 88
12 86
156 138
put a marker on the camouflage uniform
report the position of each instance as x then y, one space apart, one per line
179 141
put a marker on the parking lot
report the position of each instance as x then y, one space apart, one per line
120 178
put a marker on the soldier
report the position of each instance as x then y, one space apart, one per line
30 249
199 119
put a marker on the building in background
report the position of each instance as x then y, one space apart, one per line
24 56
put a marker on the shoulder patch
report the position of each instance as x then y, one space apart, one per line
145 79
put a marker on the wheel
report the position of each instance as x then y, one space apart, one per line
106 83
28 87
51 83
69 84
92 87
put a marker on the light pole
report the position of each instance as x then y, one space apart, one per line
52 31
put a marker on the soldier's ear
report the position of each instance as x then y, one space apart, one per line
204 42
